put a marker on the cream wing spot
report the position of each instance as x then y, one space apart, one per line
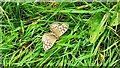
48 47
45 47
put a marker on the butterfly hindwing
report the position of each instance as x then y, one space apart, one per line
48 40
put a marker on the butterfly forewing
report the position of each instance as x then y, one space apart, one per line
48 40
58 29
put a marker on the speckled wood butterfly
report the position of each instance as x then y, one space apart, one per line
57 30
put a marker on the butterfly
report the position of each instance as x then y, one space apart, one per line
57 30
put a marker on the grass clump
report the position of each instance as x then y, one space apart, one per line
93 37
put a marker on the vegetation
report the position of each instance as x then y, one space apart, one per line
93 37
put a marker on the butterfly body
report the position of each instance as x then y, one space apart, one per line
57 30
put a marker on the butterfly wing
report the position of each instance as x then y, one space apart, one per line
48 40
58 29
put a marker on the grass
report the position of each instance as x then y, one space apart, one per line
93 37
